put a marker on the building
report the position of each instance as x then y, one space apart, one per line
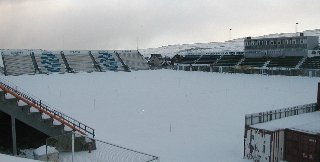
280 46
156 60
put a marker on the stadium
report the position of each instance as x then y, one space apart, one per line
174 114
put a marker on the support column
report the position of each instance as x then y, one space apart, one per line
14 135
318 97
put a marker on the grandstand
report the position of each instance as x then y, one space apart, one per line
207 59
78 61
254 62
311 63
18 62
288 65
105 60
189 59
49 62
10 58
285 62
133 59
228 60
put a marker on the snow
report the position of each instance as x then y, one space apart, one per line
310 128
294 122
175 115
9 96
43 149
33 109
21 103
8 158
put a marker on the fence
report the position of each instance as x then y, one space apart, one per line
77 147
250 70
255 118
45 107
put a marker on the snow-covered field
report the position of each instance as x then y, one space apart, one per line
176 115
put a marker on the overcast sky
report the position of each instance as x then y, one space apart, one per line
124 24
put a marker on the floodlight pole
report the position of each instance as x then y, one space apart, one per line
229 38
296 29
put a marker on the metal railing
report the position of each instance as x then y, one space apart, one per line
256 118
75 147
10 86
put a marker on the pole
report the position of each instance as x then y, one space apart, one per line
296 29
318 97
229 38
137 43
72 146
14 135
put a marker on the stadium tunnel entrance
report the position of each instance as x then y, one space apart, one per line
26 136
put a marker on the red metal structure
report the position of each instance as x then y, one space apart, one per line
44 108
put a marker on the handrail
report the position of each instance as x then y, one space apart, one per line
43 107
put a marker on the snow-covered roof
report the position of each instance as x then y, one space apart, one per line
303 123
310 128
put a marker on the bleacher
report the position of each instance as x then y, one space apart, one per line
17 62
229 60
311 63
106 60
133 59
253 62
208 59
79 61
49 62
189 59
285 62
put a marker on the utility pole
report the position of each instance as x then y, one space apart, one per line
137 43
229 38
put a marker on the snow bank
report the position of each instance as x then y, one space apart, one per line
42 150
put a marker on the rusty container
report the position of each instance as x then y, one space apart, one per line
301 146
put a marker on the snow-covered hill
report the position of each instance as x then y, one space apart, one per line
203 48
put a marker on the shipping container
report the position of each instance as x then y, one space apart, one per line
264 145
302 143
270 141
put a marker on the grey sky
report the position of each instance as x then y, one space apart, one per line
116 24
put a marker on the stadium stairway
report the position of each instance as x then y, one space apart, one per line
33 112
68 68
198 59
79 61
35 64
95 63
125 67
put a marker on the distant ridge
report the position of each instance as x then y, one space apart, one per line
204 48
